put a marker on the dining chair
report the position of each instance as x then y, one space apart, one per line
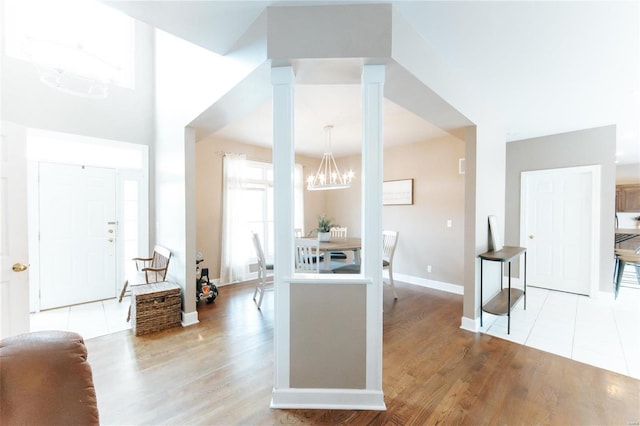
338 232
307 256
265 270
389 243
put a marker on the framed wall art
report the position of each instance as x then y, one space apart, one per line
397 192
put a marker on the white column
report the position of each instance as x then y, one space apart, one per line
373 77
282 79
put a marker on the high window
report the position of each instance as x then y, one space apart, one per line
79 45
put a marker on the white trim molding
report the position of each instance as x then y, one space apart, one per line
282 79
472 325
423 282
593 229
189 318
372 85
328 399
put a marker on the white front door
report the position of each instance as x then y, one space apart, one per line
559 218
77 209
14 281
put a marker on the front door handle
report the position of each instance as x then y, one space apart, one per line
19 267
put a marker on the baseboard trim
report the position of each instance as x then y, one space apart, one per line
328 399
423 282
189 318
472 325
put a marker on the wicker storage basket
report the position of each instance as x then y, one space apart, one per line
155 307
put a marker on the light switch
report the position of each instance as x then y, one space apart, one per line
449 223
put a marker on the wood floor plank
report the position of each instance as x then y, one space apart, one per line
219 372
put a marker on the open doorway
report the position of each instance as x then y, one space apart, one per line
86 196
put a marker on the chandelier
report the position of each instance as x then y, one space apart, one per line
328 175
71 68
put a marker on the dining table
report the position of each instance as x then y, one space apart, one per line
340 244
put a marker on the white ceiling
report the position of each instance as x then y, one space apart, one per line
547 67
338 105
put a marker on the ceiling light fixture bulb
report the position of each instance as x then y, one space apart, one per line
329 168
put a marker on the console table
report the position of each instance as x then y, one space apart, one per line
502 303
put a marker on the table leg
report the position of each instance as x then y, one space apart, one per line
480 292
327 260
618 271
509 302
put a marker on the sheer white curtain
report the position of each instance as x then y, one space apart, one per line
236 244
241 208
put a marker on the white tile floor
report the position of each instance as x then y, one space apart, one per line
89 320
602 332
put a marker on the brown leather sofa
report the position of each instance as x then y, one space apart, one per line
45 379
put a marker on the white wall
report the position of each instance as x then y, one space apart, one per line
452 101
188 80
125 115
580 148
439 195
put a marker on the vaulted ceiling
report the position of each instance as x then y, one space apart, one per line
545 67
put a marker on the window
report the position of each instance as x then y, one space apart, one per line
79 38
258 197
248 206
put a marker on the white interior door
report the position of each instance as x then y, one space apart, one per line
14 284
558 227
77 234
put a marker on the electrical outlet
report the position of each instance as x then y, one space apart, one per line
429 268
449 223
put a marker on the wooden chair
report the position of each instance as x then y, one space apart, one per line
148 270
337 232
265 270
389 242
307 255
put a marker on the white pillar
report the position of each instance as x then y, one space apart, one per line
282 79
373 77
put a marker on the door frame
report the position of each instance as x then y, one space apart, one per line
123 172
594 229
105 286
14 290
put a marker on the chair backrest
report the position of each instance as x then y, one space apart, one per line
389 242
262 261
159 264
337 232
306 256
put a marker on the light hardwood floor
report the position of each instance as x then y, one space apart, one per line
219 372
